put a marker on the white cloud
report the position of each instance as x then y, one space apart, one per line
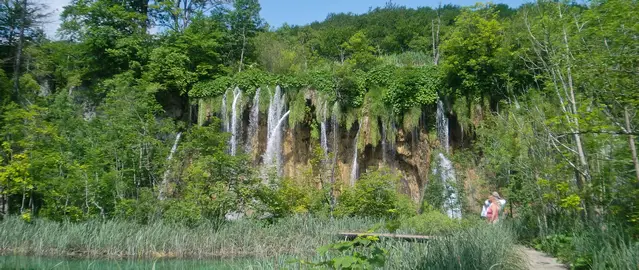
53 22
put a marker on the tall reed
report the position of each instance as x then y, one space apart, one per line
481 247
246 238
250 244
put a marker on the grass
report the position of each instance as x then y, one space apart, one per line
595 247
583 245
481 247
251 244
121 239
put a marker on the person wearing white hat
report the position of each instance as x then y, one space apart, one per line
492 207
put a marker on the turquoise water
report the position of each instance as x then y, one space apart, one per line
26 262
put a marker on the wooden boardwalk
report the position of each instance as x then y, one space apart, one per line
406 237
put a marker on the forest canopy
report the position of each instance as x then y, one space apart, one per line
543 98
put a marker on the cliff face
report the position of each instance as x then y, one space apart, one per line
298 153
409 154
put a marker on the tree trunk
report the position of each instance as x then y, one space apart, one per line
243 48
435 34
334 164
165 178
4 205
583 162
86 193
19 47
24 197
631 142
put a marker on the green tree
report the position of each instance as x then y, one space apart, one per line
177 15
113 34
471 65
360 52
19 26
243 23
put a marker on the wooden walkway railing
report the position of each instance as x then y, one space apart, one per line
407 237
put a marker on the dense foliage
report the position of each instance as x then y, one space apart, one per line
542 100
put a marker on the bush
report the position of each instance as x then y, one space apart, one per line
143 210
375 195
432 223
285 198
598 247
183 212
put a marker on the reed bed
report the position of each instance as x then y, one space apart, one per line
248 244
123 239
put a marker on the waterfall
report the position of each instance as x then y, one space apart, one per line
323 136
273 154
447 175
235 120
275 110
226 126
165 177
276 117
442 126
254 122
384 146
335 123
355 166
174 147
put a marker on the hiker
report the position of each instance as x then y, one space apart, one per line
492 213
484 207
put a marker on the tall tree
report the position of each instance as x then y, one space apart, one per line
608 64
113 34
551 28
243 22
177 15
471 65
19 25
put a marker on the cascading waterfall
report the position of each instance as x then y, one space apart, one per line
165 177
235 120
226 126
442 126
446 169
273 154
323 136
275 110
446 172
392 150
355 166
384 145
254 122
335 124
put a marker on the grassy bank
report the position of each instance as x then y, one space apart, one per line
263 246
119 239
592 247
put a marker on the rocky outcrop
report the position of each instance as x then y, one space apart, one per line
409 154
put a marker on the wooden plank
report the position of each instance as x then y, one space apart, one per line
407 237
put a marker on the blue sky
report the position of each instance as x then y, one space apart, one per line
299 12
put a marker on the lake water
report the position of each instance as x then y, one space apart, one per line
25 262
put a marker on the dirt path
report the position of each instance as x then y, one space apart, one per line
541 261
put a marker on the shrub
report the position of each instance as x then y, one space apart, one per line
597 247
359 253
285 197
143 210
375 194
432 222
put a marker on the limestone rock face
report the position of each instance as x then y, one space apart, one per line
409 155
